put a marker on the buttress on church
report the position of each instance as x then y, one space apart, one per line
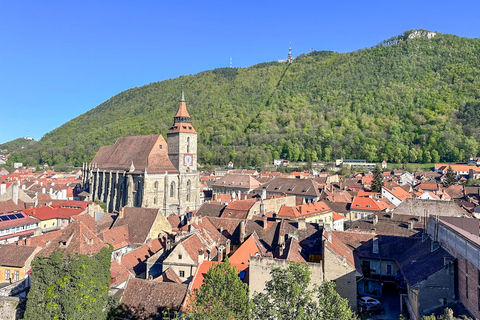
147 171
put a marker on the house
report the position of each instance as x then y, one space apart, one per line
364 207
458 169
75 238
15 262
144 299
314 212
395 195
419 268
307 189
390 224
187 254
461 238
235 183
339 266
15 226
57 216
423 208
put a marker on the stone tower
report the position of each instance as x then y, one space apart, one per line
182 151
182 141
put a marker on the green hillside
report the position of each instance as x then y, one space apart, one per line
404 100
17 144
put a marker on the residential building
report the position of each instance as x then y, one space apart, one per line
16 226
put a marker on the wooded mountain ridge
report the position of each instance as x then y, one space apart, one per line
404 100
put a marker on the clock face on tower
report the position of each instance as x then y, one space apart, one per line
187 160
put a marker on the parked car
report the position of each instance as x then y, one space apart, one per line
372 310
368 301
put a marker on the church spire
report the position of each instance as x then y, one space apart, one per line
182 113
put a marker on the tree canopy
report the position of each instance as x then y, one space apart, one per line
223 295
69 287
287 296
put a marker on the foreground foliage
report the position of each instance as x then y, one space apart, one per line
69 287
287 297
222 296
415 100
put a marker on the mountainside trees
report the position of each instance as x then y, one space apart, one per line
414 100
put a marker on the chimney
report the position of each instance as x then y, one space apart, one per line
201 256
301 225
214 197
239 194
233 196
43 190
410 226
220 254
90 210
15 192
264 219
242 231
227 247
121 213
280 249
3 188
391 214
262 209
375 245
37 231
168 244
264 194
375 220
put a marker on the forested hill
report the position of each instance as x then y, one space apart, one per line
404 100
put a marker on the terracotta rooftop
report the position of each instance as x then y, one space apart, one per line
250 247
118 237
149 151
135 260
75 238
139 222
237 181
304 211
12 255
145 299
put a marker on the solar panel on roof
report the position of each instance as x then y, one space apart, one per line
12 217
19 215
4 218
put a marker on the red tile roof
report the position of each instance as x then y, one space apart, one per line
250 247
303 211
118 237
50 212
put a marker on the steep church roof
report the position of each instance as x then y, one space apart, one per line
149 151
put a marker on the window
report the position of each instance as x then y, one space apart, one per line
155 200
472 266
7 274
16 275
389 269
466 287
182 274
188 144
155 186
189 189
160 146
172 189
179 257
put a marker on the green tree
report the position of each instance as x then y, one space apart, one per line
287 296
69 287
223 295
377 182
450 177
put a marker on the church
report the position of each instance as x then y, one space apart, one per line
147 171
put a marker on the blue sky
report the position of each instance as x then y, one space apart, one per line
59 59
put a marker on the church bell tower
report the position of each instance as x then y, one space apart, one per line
182 141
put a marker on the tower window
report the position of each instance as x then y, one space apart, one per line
155 185
172 189
160 146
188 144
189 189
